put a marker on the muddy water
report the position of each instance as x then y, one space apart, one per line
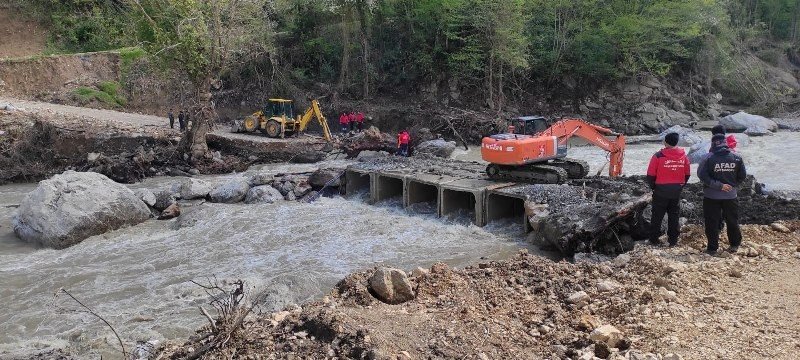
138 278
772 159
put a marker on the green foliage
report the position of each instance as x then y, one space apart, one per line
81 25
107 92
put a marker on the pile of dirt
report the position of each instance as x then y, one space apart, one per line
655 303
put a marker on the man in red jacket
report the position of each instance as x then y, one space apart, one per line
668 172
344 122
403 139
352 119
360 120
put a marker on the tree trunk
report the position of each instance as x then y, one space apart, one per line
343 75
490 81
364 46
204 114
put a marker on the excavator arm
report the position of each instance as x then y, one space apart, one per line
567 128
314 111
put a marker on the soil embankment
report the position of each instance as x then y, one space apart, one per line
20 36
663 301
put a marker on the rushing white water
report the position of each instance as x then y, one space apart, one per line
770 158
139 278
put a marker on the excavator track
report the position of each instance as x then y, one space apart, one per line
576 169
535 174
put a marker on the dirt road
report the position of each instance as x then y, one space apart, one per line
129 121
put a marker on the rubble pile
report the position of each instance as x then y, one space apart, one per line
588 215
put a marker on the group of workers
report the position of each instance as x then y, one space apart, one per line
351 121
721 171
183 119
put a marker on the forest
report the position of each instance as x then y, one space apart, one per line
494 50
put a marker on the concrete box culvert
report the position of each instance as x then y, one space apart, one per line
454 200
357 182
419 192
499 206
387 187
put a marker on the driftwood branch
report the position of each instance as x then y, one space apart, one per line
90 311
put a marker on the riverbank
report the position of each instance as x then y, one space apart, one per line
666 303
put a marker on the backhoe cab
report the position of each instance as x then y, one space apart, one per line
277 119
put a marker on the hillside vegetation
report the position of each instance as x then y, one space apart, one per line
479 54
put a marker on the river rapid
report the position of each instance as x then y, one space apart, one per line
139 278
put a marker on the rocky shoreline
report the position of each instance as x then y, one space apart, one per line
651 303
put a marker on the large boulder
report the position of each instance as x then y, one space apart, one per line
323 176
191 189
741 121
437 147
391 286
687 136
263 194
70 207
233 191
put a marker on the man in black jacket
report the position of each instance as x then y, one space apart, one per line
721 172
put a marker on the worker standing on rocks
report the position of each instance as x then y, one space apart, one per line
351 118
721 172
360 121
171 117
668 172
344 121
403 139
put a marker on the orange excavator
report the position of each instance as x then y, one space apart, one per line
533 152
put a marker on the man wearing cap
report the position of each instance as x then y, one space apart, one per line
668 172
721 172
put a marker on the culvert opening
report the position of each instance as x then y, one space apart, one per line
499 207
458 203
388 188
356 183
422 198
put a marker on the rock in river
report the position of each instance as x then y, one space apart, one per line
70 207
233 191
263 194
742 121
437 147
323 176
195 189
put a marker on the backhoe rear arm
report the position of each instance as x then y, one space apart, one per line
314 111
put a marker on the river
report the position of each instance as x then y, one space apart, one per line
138 278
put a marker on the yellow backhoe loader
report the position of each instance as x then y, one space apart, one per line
276 120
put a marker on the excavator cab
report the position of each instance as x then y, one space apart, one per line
529 125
